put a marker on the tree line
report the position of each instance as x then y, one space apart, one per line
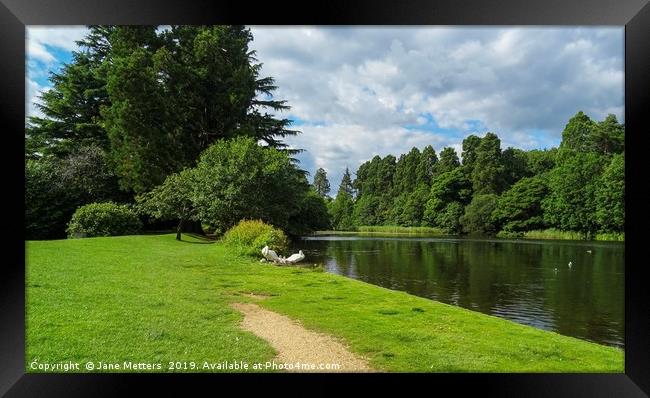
578 186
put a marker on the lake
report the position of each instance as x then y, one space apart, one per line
525 281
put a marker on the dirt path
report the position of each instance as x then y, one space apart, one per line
295 344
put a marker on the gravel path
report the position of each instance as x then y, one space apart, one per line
297 345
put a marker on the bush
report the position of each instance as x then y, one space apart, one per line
239 179
103 219
250 236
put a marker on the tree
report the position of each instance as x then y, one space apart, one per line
487 173
342 208
71 110
321 184
448 218
374 188
540 161
478 215
367 210
312 214
48 208
426 168
470 148
88 176
172 200
56 187
571 204
609 136
405 178
515 166
519 209
610 196
447 188
215 80
448 160
238 179
144 148
408 209
412 181
346 184
578 134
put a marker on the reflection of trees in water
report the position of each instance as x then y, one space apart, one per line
508 279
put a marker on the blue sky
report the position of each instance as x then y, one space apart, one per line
357 92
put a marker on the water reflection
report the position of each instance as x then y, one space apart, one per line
525 281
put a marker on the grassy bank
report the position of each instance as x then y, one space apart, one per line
569 235
154 299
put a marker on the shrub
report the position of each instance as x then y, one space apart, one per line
250 236
239 179
103 219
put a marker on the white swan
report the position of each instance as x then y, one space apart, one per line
270 255
294 258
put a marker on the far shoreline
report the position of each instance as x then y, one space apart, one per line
389 231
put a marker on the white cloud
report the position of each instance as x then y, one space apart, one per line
63 37
31 98
368 84
36 50
335 147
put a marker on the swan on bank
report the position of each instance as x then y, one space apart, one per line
272 256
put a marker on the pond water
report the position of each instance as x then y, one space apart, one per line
525 281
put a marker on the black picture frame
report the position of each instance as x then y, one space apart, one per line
633 14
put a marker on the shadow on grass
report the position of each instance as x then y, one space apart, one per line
197 238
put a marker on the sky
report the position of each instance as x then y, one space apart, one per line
357 92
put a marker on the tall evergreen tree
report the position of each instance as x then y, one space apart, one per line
426 168
346 184
342 208
470 148
448 160
487 174
405 179
374 187
321 184
71 109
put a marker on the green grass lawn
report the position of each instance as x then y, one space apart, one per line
154 299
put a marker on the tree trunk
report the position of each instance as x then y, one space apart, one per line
179 229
